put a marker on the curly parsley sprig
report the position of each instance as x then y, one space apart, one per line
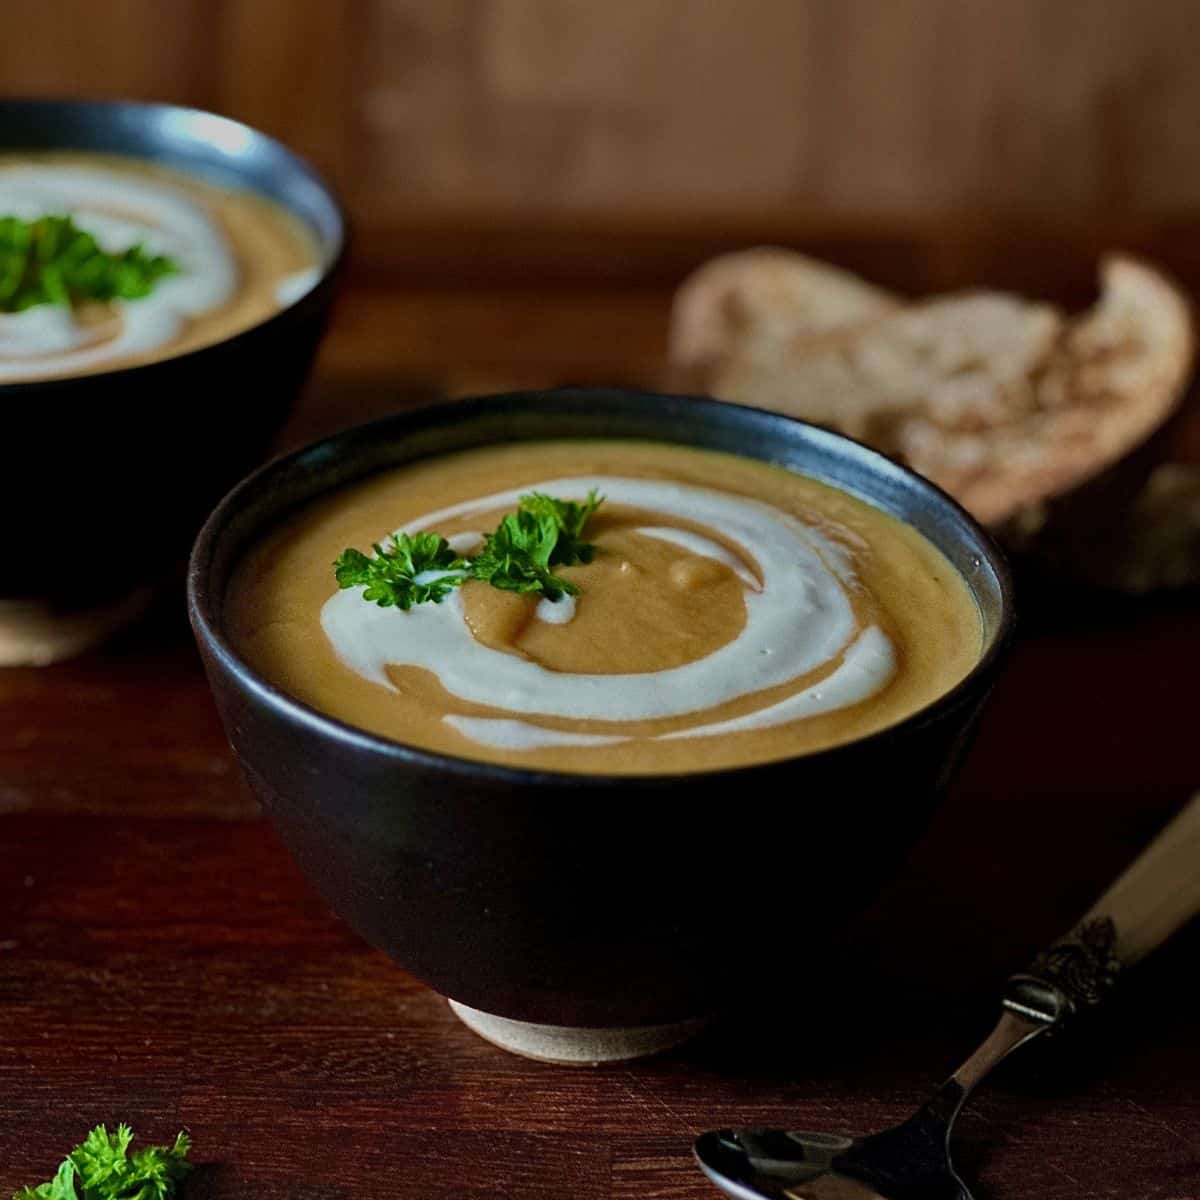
569 517
405 573
101 1168
516 557
52 261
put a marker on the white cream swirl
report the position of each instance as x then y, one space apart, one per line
118 210
799 619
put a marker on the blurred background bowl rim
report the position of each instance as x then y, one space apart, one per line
202 596
330 269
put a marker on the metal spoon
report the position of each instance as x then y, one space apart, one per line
1154 897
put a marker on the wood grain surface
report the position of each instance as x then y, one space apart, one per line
163 962
528 179
521 115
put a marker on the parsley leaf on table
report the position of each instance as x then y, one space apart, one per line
101 1168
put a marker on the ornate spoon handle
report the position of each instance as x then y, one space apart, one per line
1156 895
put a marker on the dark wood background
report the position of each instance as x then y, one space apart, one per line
520 139
529 179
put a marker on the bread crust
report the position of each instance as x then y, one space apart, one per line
753 301
1004 402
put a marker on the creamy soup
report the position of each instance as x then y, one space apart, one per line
733 613
240 259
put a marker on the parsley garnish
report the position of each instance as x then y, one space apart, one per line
570 517
391 578
516 557
101 1168
53 261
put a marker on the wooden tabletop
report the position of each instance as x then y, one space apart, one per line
163 962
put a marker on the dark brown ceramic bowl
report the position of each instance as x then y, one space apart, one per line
123 466
586 900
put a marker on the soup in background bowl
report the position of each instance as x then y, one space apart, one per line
129 405
575 899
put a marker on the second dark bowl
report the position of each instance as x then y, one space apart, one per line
123 465
585 900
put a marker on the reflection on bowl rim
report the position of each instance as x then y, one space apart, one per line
333 258
201 602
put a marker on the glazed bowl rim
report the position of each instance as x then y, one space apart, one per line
330 268
201 597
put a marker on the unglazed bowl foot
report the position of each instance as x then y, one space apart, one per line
575 1046
34 634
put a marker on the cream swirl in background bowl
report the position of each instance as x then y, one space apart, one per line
239 259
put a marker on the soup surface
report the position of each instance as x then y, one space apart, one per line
733 613
240 258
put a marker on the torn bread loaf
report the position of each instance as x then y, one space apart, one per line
755 301
1002 401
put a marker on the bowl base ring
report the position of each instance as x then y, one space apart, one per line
570 1045
34 634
